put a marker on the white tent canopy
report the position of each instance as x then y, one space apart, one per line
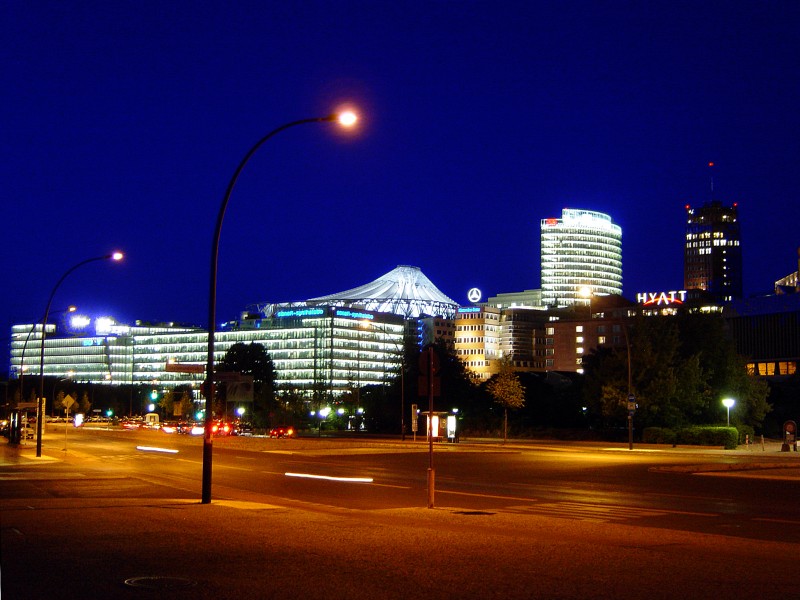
404 291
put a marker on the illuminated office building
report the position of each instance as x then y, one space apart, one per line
477 339
581 256
712 257
316 348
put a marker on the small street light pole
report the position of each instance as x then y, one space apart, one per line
40 401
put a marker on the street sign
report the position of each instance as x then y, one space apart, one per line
174 367
68 401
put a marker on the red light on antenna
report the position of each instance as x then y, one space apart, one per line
711 164
688 207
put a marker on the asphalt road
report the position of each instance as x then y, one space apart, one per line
107 520
701 491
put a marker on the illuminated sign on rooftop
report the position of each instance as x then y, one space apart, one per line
353 315
300 312
661 298
470 309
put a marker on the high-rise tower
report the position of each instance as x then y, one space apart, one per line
712 257
581 257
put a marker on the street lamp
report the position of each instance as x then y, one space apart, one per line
345 119
727 403
22 356
116 256
631 397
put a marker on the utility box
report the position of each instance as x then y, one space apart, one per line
14 427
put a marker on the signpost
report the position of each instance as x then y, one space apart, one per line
789 436
631 410
429 381
67 403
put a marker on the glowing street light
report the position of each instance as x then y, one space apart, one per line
727 403
345 118
115 256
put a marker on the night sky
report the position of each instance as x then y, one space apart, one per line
123 123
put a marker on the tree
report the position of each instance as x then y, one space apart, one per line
252 359
507 391
681 368
84 405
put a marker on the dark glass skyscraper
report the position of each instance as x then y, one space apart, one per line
712 257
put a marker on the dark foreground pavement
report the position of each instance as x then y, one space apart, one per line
128 538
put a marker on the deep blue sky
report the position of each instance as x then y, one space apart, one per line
122 123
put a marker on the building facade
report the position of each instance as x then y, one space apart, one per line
712 257
525 299
477 339
581 257
766 331
324 348
532 340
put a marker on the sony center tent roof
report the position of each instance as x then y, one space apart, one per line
404 291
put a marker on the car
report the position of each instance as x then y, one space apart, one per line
242 428
169 427
282 431
131 423
220 428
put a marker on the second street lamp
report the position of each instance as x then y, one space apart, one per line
727 403
40 402
345 119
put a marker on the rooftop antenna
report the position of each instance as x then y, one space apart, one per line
710 167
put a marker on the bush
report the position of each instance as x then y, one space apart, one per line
727 437
658 435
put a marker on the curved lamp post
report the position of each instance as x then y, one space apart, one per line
727 403
346 119
22 356
40 401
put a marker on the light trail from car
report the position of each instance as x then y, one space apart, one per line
331 477
155 449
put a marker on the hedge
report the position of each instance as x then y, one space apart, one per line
728 437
